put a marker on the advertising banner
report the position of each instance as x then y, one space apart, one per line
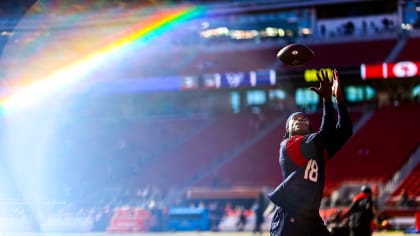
404 69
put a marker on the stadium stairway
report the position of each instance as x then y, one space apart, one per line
407 177
399 46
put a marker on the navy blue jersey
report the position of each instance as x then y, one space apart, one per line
302 160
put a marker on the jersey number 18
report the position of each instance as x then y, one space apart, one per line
311 171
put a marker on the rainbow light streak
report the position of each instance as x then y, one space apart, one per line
67 76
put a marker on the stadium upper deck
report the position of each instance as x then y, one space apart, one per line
241 30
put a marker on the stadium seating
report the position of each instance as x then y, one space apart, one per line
409 52
155 136
257 165
378 149
205 148
411 184
350 53
240 60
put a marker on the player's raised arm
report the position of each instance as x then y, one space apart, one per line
325 93
344 126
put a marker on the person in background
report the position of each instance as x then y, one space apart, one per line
242 219
361 213
259 209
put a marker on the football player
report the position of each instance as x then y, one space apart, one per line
302 157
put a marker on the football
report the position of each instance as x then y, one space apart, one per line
295 54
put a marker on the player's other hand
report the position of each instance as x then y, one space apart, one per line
336 87
325 85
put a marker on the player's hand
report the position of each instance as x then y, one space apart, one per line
325 85
336 87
